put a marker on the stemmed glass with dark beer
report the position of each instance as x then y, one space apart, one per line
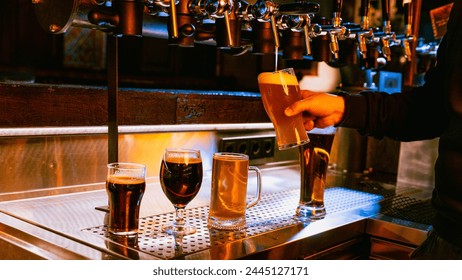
181 179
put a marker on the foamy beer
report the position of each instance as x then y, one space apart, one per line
279 90
314 161
228 200
125 186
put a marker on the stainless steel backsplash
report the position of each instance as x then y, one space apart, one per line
55 162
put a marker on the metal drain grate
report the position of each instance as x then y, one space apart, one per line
408 209
274 211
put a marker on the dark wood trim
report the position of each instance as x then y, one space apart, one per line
40 105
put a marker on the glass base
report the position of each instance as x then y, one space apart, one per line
310 213
227 224
129 233
179 230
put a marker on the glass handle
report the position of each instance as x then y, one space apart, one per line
258 193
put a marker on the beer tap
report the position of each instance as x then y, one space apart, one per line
307 31
408 36
366 35
293 41
364 14
221 9
386 16
264 12
388 36
170 7
338 31
295 18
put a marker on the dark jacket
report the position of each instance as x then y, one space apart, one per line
430 111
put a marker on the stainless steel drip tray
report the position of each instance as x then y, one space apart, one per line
70 222
274 213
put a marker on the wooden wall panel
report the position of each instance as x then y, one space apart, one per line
39 105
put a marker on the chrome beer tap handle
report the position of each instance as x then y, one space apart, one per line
170 7
337 19
306 33
386 16
297 17
363 39
222 9
407 48
385 41
265 10
334 35
364 14
409 39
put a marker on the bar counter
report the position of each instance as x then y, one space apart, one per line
365 219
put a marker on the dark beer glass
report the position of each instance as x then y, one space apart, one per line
181 179
314 161
125 186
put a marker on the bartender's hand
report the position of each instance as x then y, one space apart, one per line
319 109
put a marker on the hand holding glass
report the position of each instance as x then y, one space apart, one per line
278 90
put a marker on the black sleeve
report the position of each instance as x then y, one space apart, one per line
417 114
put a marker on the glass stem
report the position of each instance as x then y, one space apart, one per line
179 221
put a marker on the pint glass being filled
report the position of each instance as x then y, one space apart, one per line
278 90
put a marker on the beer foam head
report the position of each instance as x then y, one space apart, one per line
278 77
124 179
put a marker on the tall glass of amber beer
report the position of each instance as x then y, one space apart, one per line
278 90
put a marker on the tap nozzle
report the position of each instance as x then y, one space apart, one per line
386 50
306 32
334 35
364 22
407 46
363 40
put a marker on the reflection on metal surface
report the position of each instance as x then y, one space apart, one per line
60 162
275 211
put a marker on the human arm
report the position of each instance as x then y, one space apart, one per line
412 115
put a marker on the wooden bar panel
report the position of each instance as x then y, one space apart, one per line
220 109
39 105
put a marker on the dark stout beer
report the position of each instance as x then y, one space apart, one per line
315 162
181 179
125 194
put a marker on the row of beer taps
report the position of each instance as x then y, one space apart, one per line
264 27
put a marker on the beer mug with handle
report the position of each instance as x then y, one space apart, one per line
228 200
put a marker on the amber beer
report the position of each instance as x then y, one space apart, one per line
229 191
125 186
278 90
314 161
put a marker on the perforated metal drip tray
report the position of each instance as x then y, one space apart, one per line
274 211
